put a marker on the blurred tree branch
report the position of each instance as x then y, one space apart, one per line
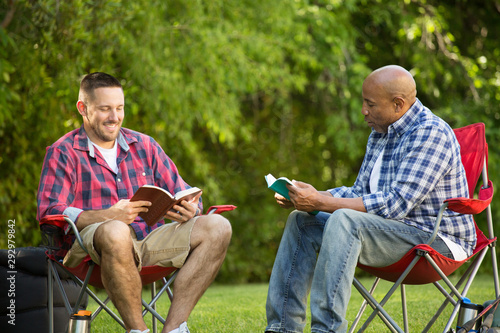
9 15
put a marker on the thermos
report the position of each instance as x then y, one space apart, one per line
467 312
80 322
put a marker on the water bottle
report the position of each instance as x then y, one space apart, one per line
467 312
80 322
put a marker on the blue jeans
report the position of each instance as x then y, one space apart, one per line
320 253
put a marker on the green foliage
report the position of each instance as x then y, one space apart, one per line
234 90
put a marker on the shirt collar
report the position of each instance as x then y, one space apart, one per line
404 123
82 141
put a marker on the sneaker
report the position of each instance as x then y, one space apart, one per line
184 328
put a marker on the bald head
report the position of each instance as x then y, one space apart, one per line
388 93
396 82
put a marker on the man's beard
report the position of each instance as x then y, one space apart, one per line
101 135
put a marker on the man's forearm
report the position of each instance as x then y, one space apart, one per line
89 217
329 203
124 210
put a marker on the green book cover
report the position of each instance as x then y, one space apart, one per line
279 186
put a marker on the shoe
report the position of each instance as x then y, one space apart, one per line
184 328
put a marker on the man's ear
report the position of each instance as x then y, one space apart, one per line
82 108
399 102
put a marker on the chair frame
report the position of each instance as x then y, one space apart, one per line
169 273
422 253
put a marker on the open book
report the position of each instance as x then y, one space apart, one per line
279 186
161 201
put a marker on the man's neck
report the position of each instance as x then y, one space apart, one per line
98 142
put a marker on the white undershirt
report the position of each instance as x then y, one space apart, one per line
458 252
109 156
375 176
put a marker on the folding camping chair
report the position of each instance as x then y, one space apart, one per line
88 273
422 264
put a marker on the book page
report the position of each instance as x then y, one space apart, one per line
279 185
187 194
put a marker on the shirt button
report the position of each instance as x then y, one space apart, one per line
143 173
119 180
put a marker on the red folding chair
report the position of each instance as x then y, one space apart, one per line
88 273
422 264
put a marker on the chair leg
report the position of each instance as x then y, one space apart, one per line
82 291
153 294
169 283
50 296
100 308
363 307
494 265
474 269
404 308
491 234
378 309
58 283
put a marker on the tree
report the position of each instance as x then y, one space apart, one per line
243 88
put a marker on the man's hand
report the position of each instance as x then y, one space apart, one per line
184 211
304 196
282 201
126 210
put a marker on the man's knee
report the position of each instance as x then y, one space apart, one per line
217 227
295 214
112 236
342 220
297 219
223 226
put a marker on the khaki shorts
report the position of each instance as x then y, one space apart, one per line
166 246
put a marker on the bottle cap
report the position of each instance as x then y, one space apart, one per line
83 313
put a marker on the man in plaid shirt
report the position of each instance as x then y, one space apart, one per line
412 164
91 173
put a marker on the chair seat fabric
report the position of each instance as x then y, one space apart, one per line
423 272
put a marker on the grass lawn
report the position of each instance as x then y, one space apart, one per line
241 308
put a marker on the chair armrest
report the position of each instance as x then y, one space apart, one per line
464 206
220 209
438 223
473 206
61 221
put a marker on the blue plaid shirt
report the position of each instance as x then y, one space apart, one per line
421 167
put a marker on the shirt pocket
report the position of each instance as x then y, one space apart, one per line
144 176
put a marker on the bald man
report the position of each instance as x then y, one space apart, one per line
412 164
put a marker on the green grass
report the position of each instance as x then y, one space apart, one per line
241 308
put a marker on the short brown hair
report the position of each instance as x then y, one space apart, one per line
97 80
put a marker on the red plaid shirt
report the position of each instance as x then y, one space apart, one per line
75 177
